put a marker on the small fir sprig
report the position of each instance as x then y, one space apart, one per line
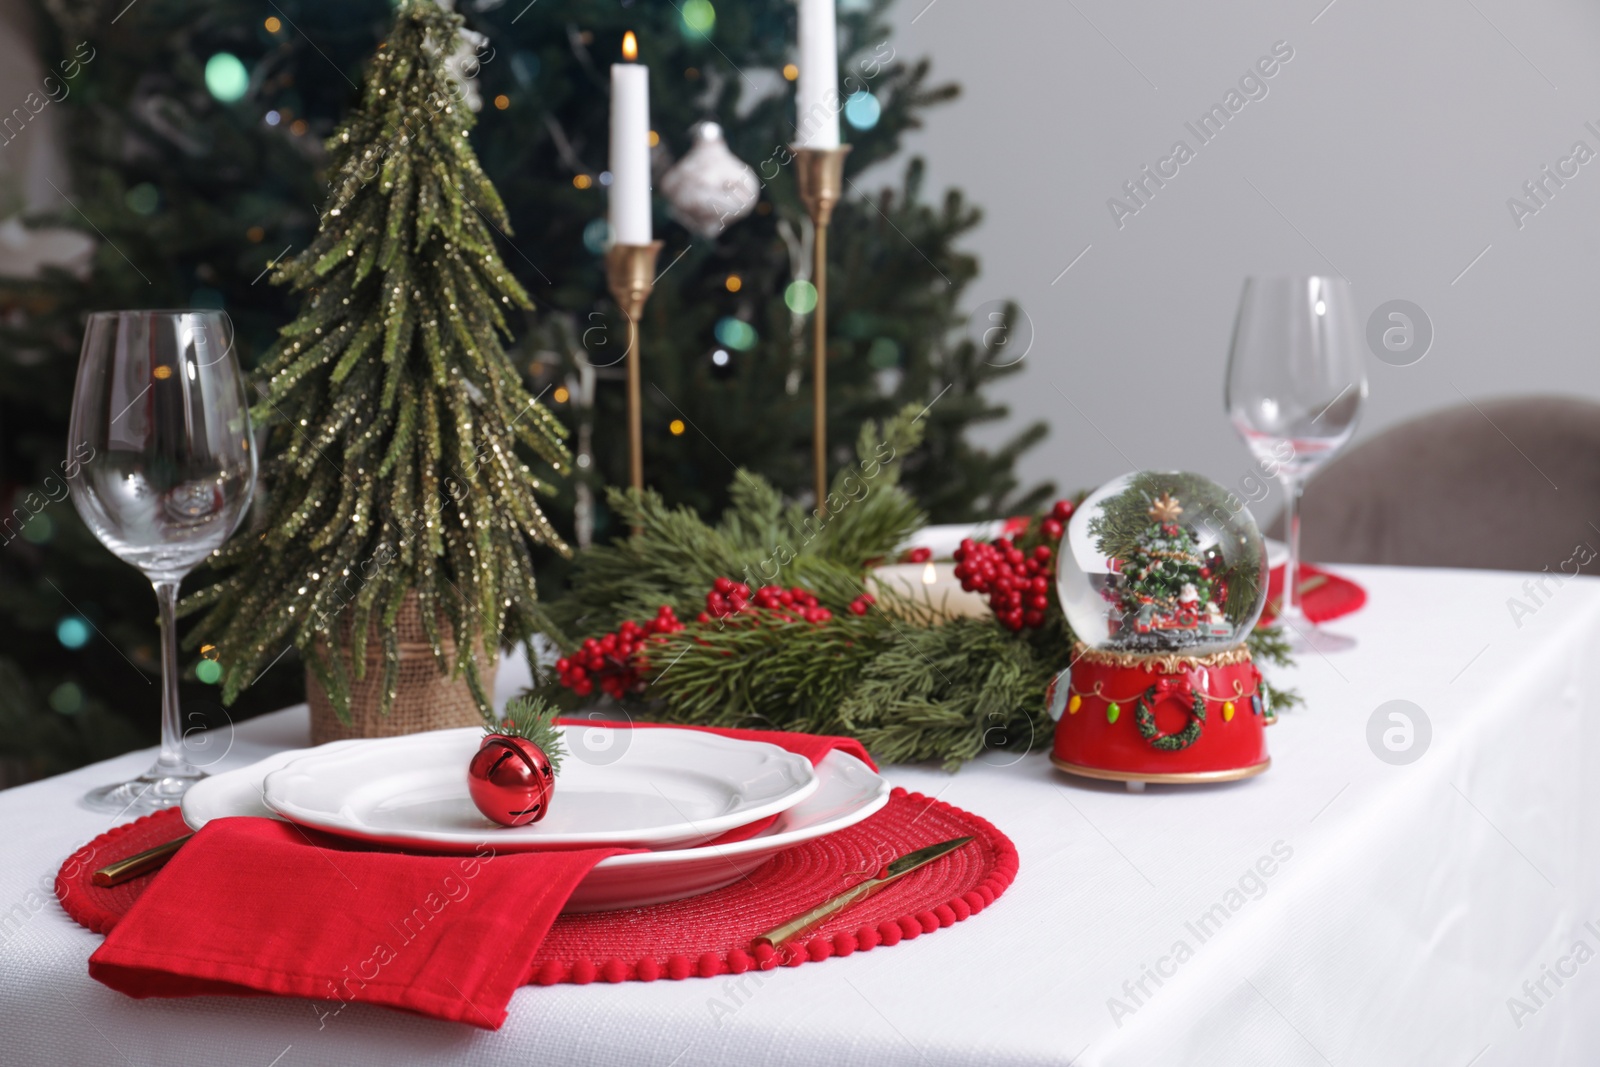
533 718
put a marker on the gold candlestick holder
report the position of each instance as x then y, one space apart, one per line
631 275
820 174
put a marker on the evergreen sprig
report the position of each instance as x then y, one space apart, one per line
533 718
907 685
396 414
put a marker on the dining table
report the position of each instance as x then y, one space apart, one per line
1413 880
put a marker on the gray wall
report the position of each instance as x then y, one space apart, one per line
1385 150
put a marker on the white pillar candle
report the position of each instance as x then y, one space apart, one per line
630 150
931 586
818 97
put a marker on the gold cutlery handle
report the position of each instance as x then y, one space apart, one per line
802 923
139 863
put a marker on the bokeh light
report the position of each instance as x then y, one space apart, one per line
207 297
39 530
698 18
861 110
67 698
735 333
801 296
525 68
142 199
73 631
883 353
676 427
790 71
597 236
226 77
208 671
733 283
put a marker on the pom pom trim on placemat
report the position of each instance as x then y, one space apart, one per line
710 934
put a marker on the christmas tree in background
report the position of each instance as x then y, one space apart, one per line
186 197
396 412
194 140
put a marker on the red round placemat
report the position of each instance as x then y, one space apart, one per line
1328 597
709 934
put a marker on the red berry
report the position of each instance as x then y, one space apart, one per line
1062 511
1052 529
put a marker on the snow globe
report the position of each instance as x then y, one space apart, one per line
1162 576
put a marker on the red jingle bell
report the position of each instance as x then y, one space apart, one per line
511 780
512 776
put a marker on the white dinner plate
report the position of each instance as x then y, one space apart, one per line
848 791
665 789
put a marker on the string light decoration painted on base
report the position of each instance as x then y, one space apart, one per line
396 462
1161 579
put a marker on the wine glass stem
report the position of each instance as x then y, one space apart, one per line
171 760
1290 612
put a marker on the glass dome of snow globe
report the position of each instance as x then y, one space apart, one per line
1162 563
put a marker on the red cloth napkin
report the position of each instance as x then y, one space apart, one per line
251 906
1328 597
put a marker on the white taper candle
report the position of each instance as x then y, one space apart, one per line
818 97
630 152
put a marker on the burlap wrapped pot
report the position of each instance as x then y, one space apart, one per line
425 698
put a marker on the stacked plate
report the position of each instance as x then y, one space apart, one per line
683 795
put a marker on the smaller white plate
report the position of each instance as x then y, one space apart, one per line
848 791
667 789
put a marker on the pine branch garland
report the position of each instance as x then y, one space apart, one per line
908 686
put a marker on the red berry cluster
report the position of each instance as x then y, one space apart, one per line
1055 524
729 598
614 662
1017 583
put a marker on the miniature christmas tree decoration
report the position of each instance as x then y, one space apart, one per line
400 512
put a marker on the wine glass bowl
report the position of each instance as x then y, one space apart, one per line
161 469
1294 392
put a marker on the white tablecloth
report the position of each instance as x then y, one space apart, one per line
1336 910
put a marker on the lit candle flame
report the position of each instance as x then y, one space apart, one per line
630 46
930 574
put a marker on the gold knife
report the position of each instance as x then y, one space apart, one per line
895 870
150 859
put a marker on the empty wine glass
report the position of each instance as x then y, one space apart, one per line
1294 390
161 467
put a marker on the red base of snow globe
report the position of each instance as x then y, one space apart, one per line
1133 717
